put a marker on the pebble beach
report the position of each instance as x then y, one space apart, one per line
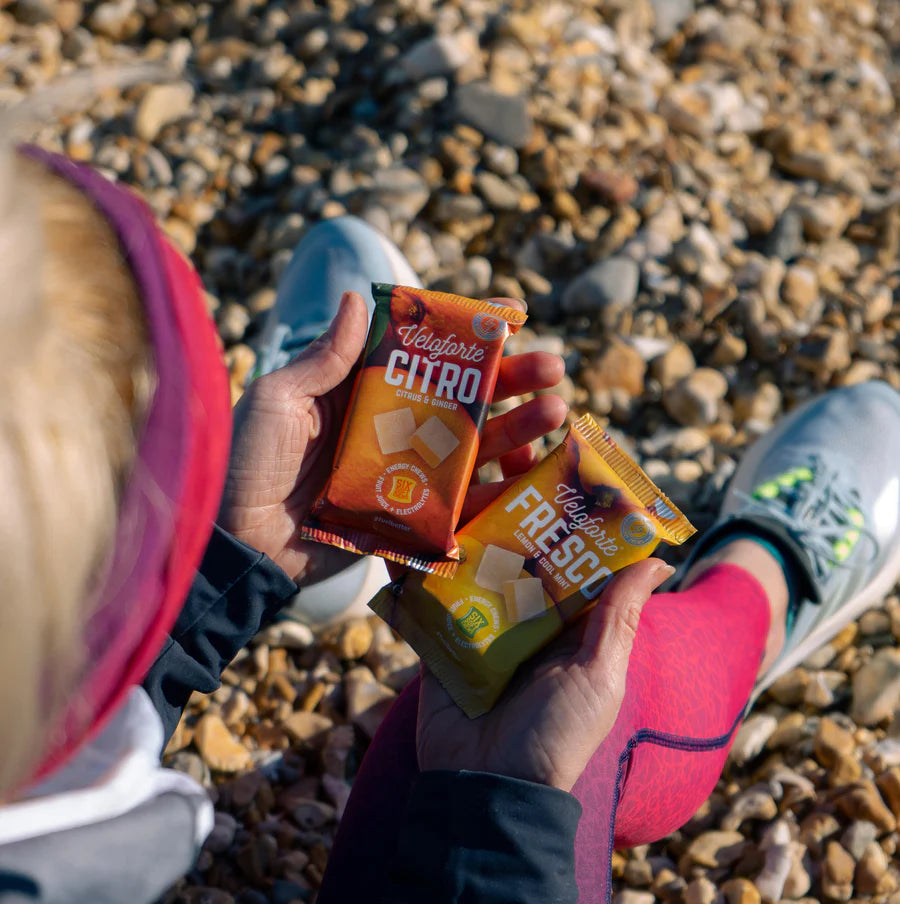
700 202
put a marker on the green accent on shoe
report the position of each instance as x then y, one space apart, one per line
786 487
837 516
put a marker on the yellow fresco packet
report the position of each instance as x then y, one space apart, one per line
532 561
410 437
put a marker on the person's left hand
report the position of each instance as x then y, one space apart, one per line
287 425
560 705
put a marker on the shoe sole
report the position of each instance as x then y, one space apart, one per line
869 597
342 596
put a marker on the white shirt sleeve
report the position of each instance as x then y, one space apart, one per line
118 771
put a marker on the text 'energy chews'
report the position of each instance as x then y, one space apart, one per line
532 561
410 437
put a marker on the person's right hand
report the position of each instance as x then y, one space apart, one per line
560 705
287 426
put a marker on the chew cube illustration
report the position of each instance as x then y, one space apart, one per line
497 566
434 441
524 599
394 430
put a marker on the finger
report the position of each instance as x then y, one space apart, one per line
518 462
520 426
612 624
328 360
528 372
480 496
432 694
516 303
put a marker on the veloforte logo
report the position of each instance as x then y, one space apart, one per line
423 339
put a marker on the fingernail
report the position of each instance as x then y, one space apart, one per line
344 297
662 573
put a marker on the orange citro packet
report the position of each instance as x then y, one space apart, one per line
410 436
533 560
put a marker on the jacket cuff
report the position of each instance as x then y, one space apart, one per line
483 837
236 591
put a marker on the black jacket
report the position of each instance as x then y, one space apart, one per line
468 838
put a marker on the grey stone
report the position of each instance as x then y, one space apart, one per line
502 117
79 45
471 280
770 882
785 241
439 55
221 837
34 12
450 206
190 764
401 191
752 736
858 837
499 193
613 281
754 803
669 16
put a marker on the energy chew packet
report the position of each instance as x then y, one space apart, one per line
532 561
410 436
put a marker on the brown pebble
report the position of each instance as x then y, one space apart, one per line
740 891
889 785
611 185
864 802
838 871
618 365
355 639
716 848
832 742
314 696
217 746
305 727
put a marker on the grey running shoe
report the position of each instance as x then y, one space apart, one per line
824 486
335 256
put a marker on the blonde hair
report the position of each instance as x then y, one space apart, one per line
75 375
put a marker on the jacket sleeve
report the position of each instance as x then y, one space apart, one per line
485 839
236 591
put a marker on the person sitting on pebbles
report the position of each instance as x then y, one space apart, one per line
127 581
143 547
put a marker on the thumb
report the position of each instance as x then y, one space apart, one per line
328 360
613 623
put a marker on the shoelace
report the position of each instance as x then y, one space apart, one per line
814 512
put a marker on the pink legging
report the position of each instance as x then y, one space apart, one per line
690 675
